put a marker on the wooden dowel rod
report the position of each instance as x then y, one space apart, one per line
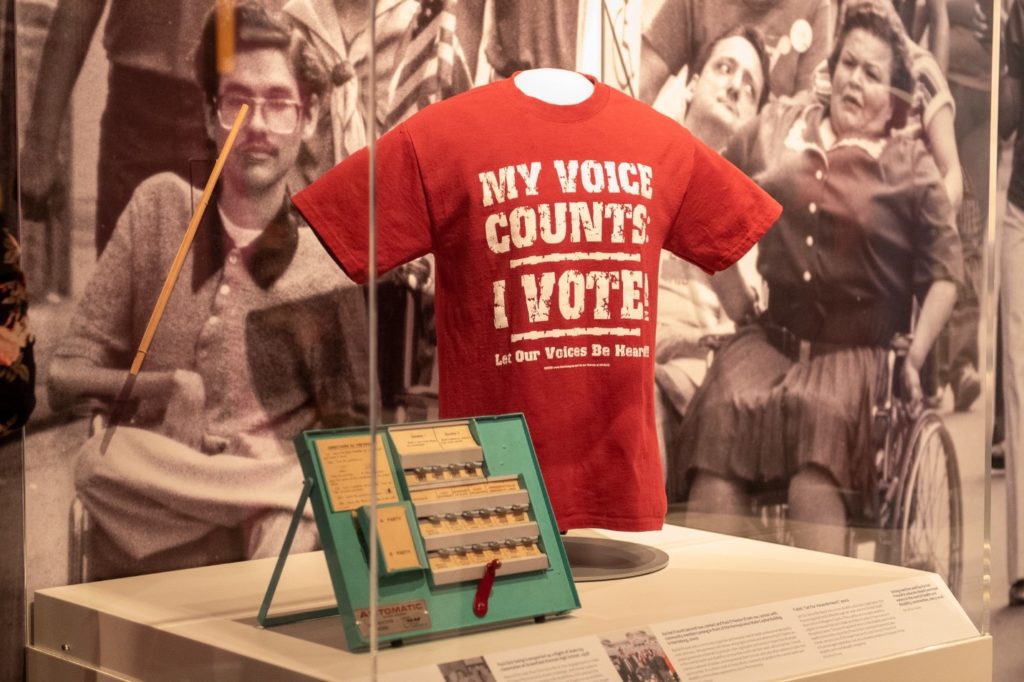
186 243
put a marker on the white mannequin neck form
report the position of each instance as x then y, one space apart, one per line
554 86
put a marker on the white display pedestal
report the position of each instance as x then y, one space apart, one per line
200 623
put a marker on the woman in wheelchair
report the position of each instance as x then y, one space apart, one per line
867 229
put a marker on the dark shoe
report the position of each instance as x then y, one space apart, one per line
1017 593
966 388
998 457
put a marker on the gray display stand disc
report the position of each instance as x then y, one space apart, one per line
593 559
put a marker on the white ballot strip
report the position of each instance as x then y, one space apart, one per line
768 642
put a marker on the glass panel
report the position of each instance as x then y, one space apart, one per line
127 114
1001 309
811 441
781 400
840 454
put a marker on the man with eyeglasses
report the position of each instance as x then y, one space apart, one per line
262 337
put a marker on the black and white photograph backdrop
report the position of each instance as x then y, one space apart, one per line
638 657
123 115
825 392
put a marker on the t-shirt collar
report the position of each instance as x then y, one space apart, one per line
266 258
818 131
564 113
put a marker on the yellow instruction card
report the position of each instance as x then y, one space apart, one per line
345 461
433 439
396 539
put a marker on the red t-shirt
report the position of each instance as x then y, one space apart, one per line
547 223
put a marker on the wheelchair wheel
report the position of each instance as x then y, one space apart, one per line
929 510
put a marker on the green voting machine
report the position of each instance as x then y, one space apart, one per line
466 535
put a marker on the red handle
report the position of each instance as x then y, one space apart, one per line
483 590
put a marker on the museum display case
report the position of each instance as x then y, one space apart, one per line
377 341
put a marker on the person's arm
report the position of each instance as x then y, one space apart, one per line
91 359
937 22
67 42
73 381
1012 72
673 341
737 298
172 401
653 73
932 87
938 263
813 60
1009 105
1011 68
942 140
935 312
666 44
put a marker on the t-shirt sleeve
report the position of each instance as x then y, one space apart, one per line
938 252
722 214
337 207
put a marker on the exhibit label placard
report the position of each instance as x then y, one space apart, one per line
774 641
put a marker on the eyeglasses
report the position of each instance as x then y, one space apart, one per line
281 116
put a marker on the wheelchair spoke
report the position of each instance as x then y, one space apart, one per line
928 508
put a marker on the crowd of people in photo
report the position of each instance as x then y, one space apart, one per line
639 658
879 155
866 119
253 347
467 670
851 126
262 337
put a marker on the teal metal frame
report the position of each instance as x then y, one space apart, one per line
508 450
